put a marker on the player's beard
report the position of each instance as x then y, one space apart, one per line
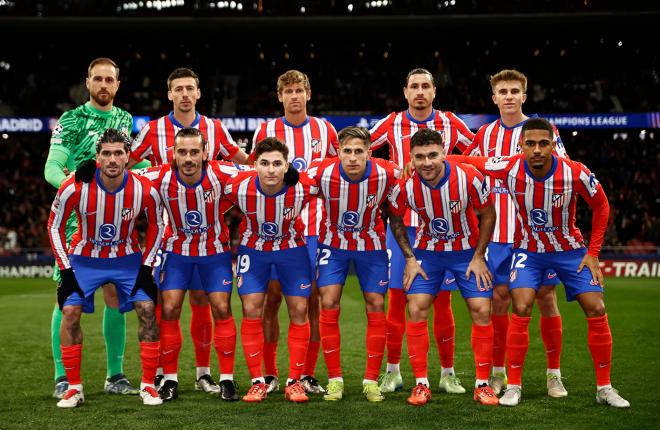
102 98
110 175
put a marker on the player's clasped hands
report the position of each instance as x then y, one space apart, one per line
481 273
413 268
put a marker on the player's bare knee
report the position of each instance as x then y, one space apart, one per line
547 304
221 311
171 311
253 310
523 309
595 310
374 302
198 298
501 300
110 296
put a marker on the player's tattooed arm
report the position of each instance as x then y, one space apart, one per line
413 267
147 326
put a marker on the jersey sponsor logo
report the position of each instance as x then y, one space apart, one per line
350 219
299 163
107 231
289 213
193 218
371 200
209 195
558 200
269 229
455 206
127 214
439 226
538 216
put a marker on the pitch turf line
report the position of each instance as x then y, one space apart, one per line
633 306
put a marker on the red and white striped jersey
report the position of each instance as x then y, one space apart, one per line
195 217
271 223
352 217
314 139
397 128
495 140
106 220
546 207
446 211
156 139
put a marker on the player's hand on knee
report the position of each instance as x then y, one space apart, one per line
594 267
85 171
145 282
68 285
482 275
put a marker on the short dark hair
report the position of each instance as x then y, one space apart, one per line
190 132
270 144
424 137
181 72
102 60
419 71
354 133
112 135
538 124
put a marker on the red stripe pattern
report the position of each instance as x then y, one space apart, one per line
314 139
446 211
106 220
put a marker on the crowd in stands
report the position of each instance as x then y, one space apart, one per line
625 163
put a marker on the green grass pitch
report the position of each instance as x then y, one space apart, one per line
633 308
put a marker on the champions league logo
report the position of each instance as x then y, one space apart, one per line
269 229
193 218
107 232
539 216
350 219
299 164
439 226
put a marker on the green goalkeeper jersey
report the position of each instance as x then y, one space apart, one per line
74 141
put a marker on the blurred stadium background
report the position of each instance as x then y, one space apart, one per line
593 69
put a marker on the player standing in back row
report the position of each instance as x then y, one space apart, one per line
396 130
502 138
308 138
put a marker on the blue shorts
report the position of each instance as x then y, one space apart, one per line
435 264
253 270
529 268
312 246
498 257
195 281
91 273
398 262
213 271
370 266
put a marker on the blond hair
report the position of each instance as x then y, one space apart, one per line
292 77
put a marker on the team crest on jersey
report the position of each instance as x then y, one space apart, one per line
558 200
209 195
316 145
455 206
371 200
288 213
513 275
127 213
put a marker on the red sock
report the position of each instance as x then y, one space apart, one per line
396 324
376 329
252 337
71 358
444 328
158 311
517 342
298 343
149 352
482 348
270 358
551 332
331 340
599 339
500 327
170 345
418 347
224 340
201 331
312 357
